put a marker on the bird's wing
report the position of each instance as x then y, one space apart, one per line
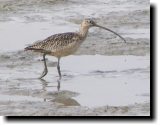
55 42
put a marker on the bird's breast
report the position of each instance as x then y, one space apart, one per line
67 50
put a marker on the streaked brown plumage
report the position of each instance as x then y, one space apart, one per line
58 45
64 44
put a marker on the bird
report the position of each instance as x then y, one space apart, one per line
64 44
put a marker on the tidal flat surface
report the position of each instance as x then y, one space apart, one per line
88 81
104 77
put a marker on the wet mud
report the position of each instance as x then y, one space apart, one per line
104 77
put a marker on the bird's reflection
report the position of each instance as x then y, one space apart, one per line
45 83
63 97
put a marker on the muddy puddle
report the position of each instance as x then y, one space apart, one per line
104 77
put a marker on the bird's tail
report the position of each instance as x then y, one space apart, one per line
37 50
31 48
35 47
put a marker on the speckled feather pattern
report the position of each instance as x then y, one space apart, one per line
58 45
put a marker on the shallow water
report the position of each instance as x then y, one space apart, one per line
21 34
95 81
115 82
26 25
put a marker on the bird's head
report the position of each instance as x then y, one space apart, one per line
88 22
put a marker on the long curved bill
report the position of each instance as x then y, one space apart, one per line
110 31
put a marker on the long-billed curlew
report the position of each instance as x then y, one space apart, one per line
64 44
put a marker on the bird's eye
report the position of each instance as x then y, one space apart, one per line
90 21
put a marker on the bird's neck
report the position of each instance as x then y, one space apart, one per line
83 31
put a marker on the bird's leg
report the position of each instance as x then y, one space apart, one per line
58 68
45 71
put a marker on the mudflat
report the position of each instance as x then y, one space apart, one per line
104 77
